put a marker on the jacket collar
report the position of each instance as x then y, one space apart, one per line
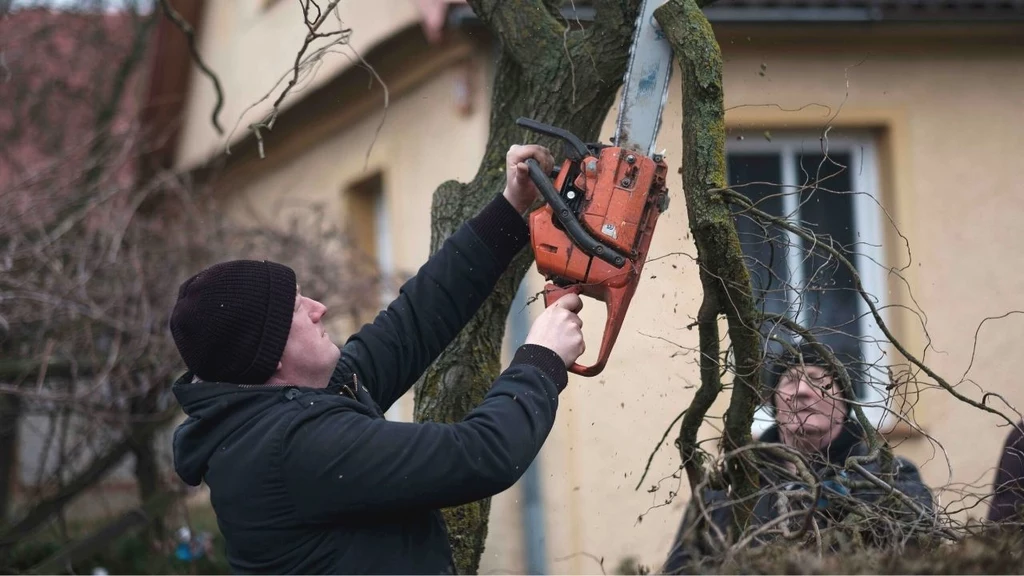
850 442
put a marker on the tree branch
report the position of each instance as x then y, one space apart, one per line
46 509
151 510
614 18
718 249
710 387
313 34
190 34
907 500
527 29
17 368
650 459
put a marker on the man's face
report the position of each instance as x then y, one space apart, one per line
808 403
309 352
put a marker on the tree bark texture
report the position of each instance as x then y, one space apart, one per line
724 276
567 79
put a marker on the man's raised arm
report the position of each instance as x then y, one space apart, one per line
391 353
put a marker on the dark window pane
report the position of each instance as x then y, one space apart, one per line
827 208
757 176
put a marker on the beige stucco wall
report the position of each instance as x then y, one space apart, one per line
950 133
252 50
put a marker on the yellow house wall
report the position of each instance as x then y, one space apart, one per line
252 49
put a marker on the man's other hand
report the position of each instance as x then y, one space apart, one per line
520 191
560 329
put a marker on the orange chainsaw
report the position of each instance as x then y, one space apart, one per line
592 236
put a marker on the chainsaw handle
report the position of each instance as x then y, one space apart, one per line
616 303
580 237
577 149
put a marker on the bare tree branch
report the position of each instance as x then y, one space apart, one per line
45 509
190 34
909 502
710 388
151 510
527 29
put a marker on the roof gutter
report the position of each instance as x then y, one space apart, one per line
463 15
788 14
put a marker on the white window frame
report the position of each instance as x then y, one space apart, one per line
869 256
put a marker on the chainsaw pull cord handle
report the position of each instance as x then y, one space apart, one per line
579 235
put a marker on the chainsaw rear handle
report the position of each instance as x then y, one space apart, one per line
616 302
573 228
577 149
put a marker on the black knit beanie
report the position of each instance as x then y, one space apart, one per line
807 355
231 321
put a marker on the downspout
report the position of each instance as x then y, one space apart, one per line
532 502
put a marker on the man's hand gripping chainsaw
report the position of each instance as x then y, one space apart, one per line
592 236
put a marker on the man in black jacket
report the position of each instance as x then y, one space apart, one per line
305 473
812 417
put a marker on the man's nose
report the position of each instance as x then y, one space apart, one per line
317 310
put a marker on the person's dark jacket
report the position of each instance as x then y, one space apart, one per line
308 480
1008 489
828 469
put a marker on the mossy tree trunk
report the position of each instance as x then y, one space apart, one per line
724 276
565 79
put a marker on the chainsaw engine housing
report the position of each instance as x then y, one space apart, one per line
617 196
592 236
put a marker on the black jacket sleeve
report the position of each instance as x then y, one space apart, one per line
389 355
690 545
682 551
1008 488
338 461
